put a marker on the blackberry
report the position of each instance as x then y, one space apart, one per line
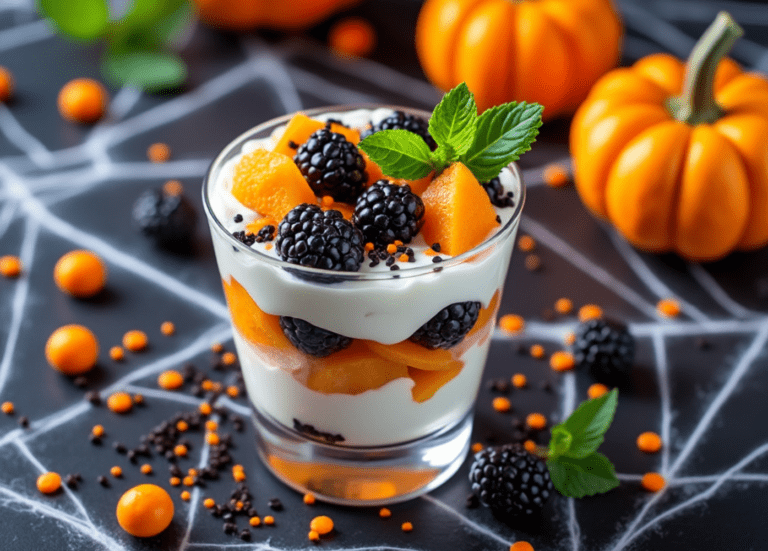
497 195
606 347
402 121
309 236
386 212
449 326
311 339
169 219
332 166
510 480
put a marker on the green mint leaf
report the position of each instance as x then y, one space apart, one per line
81 19
145 69
171 29
579 477
503 134
441 157
588 424
399 153
454 120
145 13
561 442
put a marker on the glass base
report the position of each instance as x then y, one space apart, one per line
363 476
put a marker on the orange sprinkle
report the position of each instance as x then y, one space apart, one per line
430 252
653 482
309 499
239 505
72 349
116 471
668 307
80 273
537 351
173 188
228 358
649 442
526 243
180 450
313 535
521 546
82 100
207 385
569 338
138 398
135 340
476 447
116 353
403 258
511 323
7 408
188 481
10 266
120 402
563 306
352 37
170 380
209 503
368 247
322 524
217 348
555 175
596 390
192 471
6 85
501 404
385 513
530 446
212 439
269 520
49 482
269 246
590 312
98 431
182 426
391 248
519 380
536 421
205 408
233 391
562 361
237 467
254 521
146 468
185 495
167 328
239 476
174 481
406 527
326 200
212 425
158 152
398 242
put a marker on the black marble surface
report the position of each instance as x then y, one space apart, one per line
64 187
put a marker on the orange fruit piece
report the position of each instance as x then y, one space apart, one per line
145 510
253 324
270 183
82 100
429 382
80 273
457 211
72 349
414 355
486 315
301 127
353 371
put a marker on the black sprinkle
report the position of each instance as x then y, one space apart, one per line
101 479
93 398
81 382
24 421
292 144
238 218
394 267
94 439
119 447
437 259
498 219
472 501
275 504
436 247
230 528
245 535
70 481
546 386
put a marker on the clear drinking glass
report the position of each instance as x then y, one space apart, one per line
385 419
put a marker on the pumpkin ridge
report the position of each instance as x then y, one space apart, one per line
674 212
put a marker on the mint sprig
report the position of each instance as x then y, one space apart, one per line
485 144
575 466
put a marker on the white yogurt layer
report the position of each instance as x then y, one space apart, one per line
384 309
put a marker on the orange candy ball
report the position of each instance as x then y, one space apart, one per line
6 85
649 442
83 100
352 37
145 510
72 349
135 340
80 273
49 483
170 380
10 266
321 525
120 402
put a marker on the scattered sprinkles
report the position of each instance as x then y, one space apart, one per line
536 421
555 175
313 535
530 446
309 499
135 340
116 471
526 243
269 520
519 380
98 431
352 37
81 274
228 358
501 404
537 351
649 442
569 338
72 349
653 482
82 100
185 495
532 262
511 323
590 312
10 266
170 380
596 390
406 527
668 307
117 353
120 402
562 361
477 447
158 152
6 85
217 348
146 468
167 328
521 546
7 408
563 306
48 483
385 513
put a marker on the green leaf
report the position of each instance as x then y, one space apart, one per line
454 119
146 13
561 441
81 19
399 153
503 134
170 29
588 424
579 477
148 70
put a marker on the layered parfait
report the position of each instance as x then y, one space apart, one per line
363 304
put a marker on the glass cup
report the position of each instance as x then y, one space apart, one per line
385 419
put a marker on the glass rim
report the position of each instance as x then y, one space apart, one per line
340 276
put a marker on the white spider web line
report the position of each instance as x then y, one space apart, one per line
662 380
26 142
275 73
171 396
465 520
7 216
708 283
24 34
658 30
268 547
333 93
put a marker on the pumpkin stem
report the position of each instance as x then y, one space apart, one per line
697 103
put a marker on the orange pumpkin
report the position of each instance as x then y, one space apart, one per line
240 15
676 156
545 51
